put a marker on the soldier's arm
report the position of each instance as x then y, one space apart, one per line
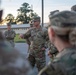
48 70
27 41
27 34
13 34
51 69
5 33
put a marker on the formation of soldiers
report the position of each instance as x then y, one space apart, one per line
61 41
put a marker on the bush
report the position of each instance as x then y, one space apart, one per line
19 40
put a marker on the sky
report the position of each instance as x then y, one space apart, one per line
11 6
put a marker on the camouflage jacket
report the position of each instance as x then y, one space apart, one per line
38 36
63 64
53 50
10 34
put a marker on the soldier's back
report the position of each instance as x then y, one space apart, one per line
63 64
67 61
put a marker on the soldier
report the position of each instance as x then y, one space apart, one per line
10 34
37 47
73 8
62 33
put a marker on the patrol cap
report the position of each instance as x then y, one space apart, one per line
54 12
36 19
73 8
63 22
8 24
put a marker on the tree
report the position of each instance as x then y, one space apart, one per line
32 14
23 11
9 18
20 18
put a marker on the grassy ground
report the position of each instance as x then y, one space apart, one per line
19 40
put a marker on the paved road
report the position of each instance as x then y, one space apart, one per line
23 48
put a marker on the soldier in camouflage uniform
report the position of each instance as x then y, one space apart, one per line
37 47
73 8
10 34
62 33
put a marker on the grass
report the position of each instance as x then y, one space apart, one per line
19 40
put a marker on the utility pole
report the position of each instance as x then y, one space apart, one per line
42 13
0 4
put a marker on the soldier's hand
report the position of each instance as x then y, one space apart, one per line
21 36
49 54
43 48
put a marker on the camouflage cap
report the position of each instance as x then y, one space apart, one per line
36 18
73 8
63 22
54 12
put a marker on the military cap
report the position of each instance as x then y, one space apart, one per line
73 8
63 22
8 24
37 18
54 12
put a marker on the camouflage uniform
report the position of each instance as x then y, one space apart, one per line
38 38
10 35
63 23
53 50
11 61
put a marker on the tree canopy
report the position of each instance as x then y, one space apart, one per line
25 14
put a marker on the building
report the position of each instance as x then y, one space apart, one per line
19 29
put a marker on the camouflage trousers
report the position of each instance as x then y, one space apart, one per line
37 57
